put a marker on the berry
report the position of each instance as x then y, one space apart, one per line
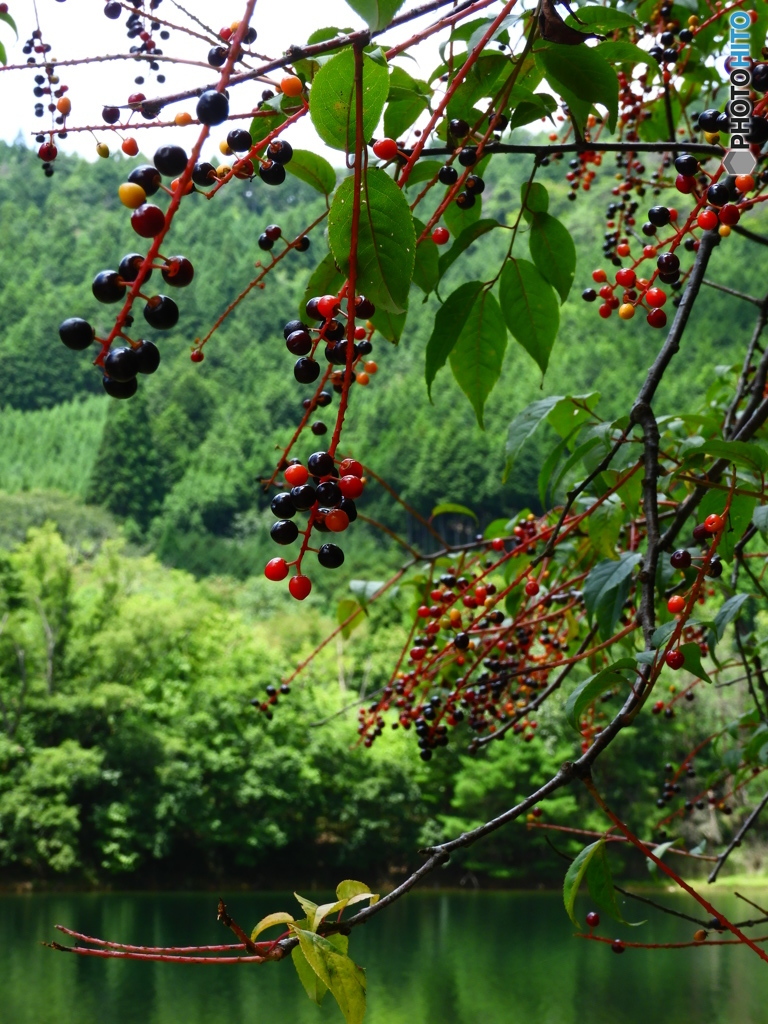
280 151
675 604
161 312
468 156
296 475
282 506
675 659
148 356
121 364
299 587
299 343
293 325
303 496
113 10
336 519
327 306
110 115
707 220
617 946
306 370
212 107
685 184
131 195
107 286
657 317
626 311
148 220
320 464
130 147
718 194
284 531
170 160
273 173
128 268
458 128
658 216
177 271
531 588
76 334
351 486
730 215
330 556
276 569
119 389
700 533
291 86
217 56
329 493
474 184
465 200
745 182
593 919
364 308
687 165
708 120
147 176
668 263
626 278
204 174
385 149
350 467
680 559
714 523
47 151
239 140
447 175
440 236
655 297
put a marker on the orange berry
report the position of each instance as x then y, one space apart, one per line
675 604
130 147
744 182
714 523
182 119
337 520
626 311
64 105
291 86
187 188
362 378
370 366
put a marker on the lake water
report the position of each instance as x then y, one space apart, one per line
433 958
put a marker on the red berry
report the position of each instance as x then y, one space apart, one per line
657 318
276 569
593 919
296 475
707 220
675 604
327 305
350 467
617 946
351 486
730 214
598 276
337 520
675 660
655 297
196 355
130 147
385 149
299 587
417 653
605 311
423 612
148 220
47 152
440 236
685 184
626 278
531 588
497 544
714 523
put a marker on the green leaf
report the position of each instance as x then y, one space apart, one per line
450 507
389 325
548 468
376 13
386 246
553 252
622 52
425 271
337 972
326 279
280 917
9 21
574 875
346 607
760 518
604 526
271 117
313 986
601 887
606 589
692 664
572 411
478 354
600 19
349 887
581 71
739 452
728 612
365 590
530 309
523 426
586 693
449 321
313 169
534 197
3 58
332 99
540 104
659 852
463 242
307 906
407 98
424 170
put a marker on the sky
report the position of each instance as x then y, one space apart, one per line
279 23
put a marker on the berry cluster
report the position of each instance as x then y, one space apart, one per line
139 26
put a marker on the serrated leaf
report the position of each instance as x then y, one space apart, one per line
534 197
739 452
386 245
449 321
553 252
407 98
582 72
463 242
347 607
312 169
622 52
349 887
337 972
280 917
601 888
572 411
313 986
326 279
389 325
376 13
601 19
540 105
307 906
424 170
586 693
692 664
425 271
523 426
662 633
604 526
530 309
451 507
606 589
332 99
478 354
574 875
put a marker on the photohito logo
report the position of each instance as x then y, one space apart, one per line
739 159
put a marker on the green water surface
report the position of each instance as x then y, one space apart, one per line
433 958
